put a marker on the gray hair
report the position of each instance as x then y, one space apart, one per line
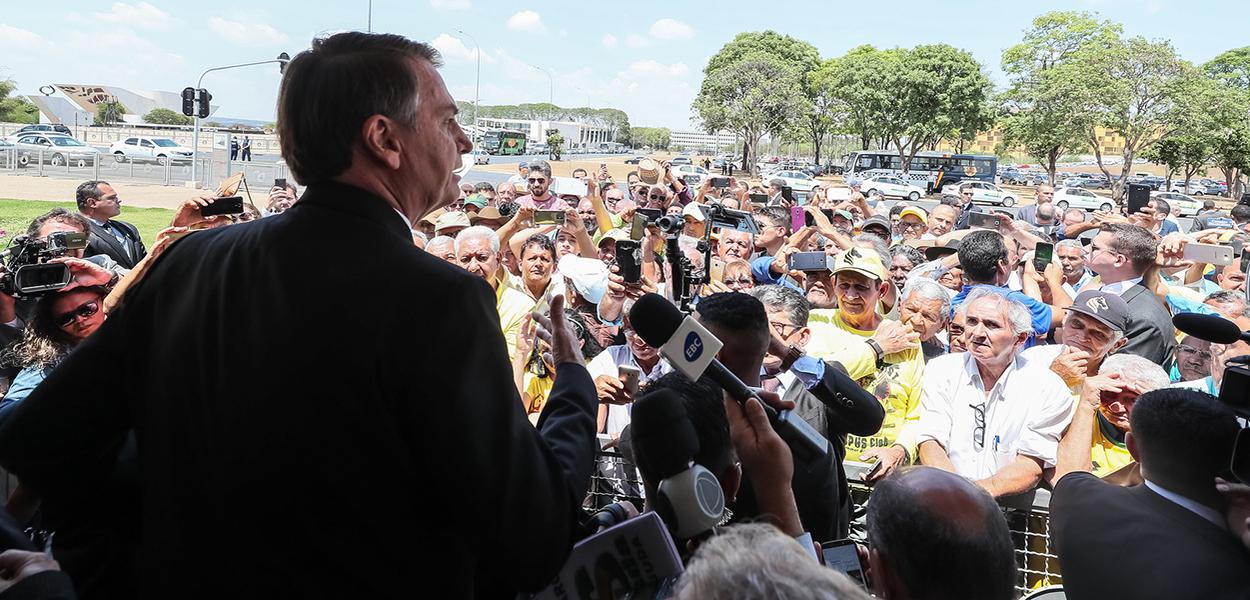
779 297
756 560
1017 315
442 239
478 231
876 243
928 289
1228 298
1137 371
1071 244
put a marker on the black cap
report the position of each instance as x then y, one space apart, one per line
936 252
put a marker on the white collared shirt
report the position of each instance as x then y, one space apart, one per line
1118 288
608 363
1197 508
1025 413
1072 289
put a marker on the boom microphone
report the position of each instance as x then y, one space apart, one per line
689 497
1209 327
692 349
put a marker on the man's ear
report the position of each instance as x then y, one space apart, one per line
379 140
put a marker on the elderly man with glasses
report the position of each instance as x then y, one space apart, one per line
987 413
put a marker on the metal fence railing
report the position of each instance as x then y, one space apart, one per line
118 167
1028 516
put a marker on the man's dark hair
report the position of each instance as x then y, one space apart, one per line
590 346
778 216
980 252
1183 435
1240 213
735 312
897 209
88 190
947 200
540 241
59 215
789 300
482 186
331 89
579 169
541 166
631 174
938 556
1138 244
1162 206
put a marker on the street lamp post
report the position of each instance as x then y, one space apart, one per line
551 90
477 86
195 143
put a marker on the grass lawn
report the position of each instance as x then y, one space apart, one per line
16 215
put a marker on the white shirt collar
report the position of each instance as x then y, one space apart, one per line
407 223
1118 288
1197 508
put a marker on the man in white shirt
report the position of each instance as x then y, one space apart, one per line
614 397
987 414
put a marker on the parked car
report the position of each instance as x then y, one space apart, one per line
634 160
1194 188
1076 197
155 149
983 193
1181 205
679 160
41 128
538 148
691 170
797 180
57 150
890 186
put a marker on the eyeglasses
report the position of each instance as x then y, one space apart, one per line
781 328
537 180
906 225
743 282
978 433
85 310
968 194
1202 354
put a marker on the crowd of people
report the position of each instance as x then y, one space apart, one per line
932 345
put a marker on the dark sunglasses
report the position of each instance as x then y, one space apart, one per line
537 180
86 310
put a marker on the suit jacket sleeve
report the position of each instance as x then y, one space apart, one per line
851 408
1146 336
523 487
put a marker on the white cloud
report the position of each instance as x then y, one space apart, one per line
640 69
454 49
139 15
16 38
671 29
450 4
609 41
527 21
251 33
634 40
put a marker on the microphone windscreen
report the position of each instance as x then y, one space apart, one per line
1207 327
655 319
664 439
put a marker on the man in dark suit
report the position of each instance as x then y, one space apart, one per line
362 460
1120 254
1168 537
98 202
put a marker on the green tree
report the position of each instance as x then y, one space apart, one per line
854 95
754 96
1230 73
164 116
656 137
1042 117
555 143
16 109
109 112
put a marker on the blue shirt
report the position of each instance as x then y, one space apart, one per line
1168 227
761 274
22 386
1039 310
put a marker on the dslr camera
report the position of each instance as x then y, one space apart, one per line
27 271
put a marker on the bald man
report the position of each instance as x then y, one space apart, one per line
934 534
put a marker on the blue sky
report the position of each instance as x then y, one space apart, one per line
643 56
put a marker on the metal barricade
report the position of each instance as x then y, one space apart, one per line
1028 516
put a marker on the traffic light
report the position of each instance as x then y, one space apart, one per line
202 99
188 101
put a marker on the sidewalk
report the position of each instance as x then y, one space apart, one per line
145 195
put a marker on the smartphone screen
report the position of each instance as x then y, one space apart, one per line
759 198
720 182
548 217
980 220
717 271
841 556
1042 255
627 261
639 227
280 182
1136 202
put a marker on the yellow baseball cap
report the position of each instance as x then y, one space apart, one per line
862 261
917 212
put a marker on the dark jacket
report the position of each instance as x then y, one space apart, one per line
1150 332
102 241
321 410
1118 542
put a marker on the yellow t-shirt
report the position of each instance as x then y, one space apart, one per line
1106 454
896 386
538 388
512 306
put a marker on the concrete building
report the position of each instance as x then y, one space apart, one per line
698 140
77 103
1111 144
576 135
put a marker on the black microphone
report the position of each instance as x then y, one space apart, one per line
1209 327
692 349
689 497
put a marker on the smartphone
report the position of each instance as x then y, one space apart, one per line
759 198
548 217
1211 254
627 260
720 182
639 228
630 376
717 270
1043 255
810 221
232 205
809 261
1136 202
1245 263
798 218
979 220
841 555
787 193
651 214
280 183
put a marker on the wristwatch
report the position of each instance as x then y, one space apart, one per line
878 350
793 353
113 280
